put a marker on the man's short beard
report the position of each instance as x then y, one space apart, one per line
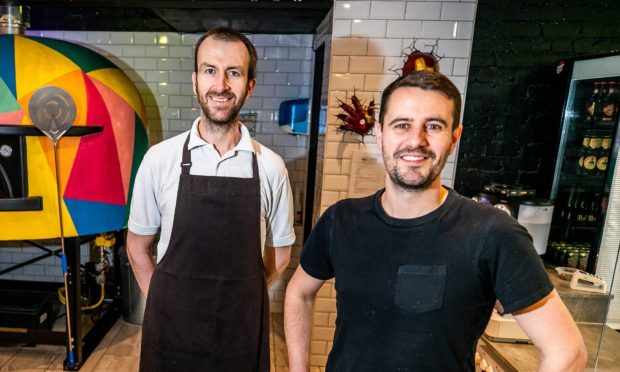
229 120
401 183
226 122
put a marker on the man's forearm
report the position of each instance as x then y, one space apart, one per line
141 260
577 363
271 276
275 262
143 269
571 356
550 326
298 328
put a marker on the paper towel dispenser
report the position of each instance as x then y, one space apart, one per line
293 116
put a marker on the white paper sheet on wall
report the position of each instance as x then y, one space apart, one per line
367 173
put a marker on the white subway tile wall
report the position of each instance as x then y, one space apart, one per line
352 9
371 40
46 270
403 29
342 28
387 9
458 11
160 65
382 47
365 64
427 10
368 28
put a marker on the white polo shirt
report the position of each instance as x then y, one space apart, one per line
157 182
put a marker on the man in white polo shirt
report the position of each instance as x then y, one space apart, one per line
219 199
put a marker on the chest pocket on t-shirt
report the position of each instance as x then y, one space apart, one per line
420 288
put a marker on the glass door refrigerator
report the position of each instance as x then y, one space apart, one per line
585 230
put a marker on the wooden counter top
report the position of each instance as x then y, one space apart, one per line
585 307
524 357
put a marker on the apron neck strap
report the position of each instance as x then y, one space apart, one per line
186 162
254 167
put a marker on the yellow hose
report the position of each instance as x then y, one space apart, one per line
102 241
61 297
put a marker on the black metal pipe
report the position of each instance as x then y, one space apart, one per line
37 245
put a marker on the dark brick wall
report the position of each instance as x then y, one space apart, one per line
512 113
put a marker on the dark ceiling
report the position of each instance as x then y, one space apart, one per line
250 16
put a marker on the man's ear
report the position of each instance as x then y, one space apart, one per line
194 83
379 134
251 85
456 135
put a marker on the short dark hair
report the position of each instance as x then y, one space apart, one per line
426 80
229 34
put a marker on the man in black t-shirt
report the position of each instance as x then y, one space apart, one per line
418 267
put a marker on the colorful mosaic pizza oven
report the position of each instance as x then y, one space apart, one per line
96 170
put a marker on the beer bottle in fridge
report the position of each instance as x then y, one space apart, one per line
589 162
583 210
602 158
585 145
594 209
603 89
593 103
609 104
566 212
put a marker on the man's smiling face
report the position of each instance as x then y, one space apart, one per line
417 137
221 82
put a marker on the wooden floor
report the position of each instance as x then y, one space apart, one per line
119 351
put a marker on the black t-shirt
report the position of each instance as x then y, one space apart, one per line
417 293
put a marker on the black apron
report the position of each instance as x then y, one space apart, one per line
208 307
